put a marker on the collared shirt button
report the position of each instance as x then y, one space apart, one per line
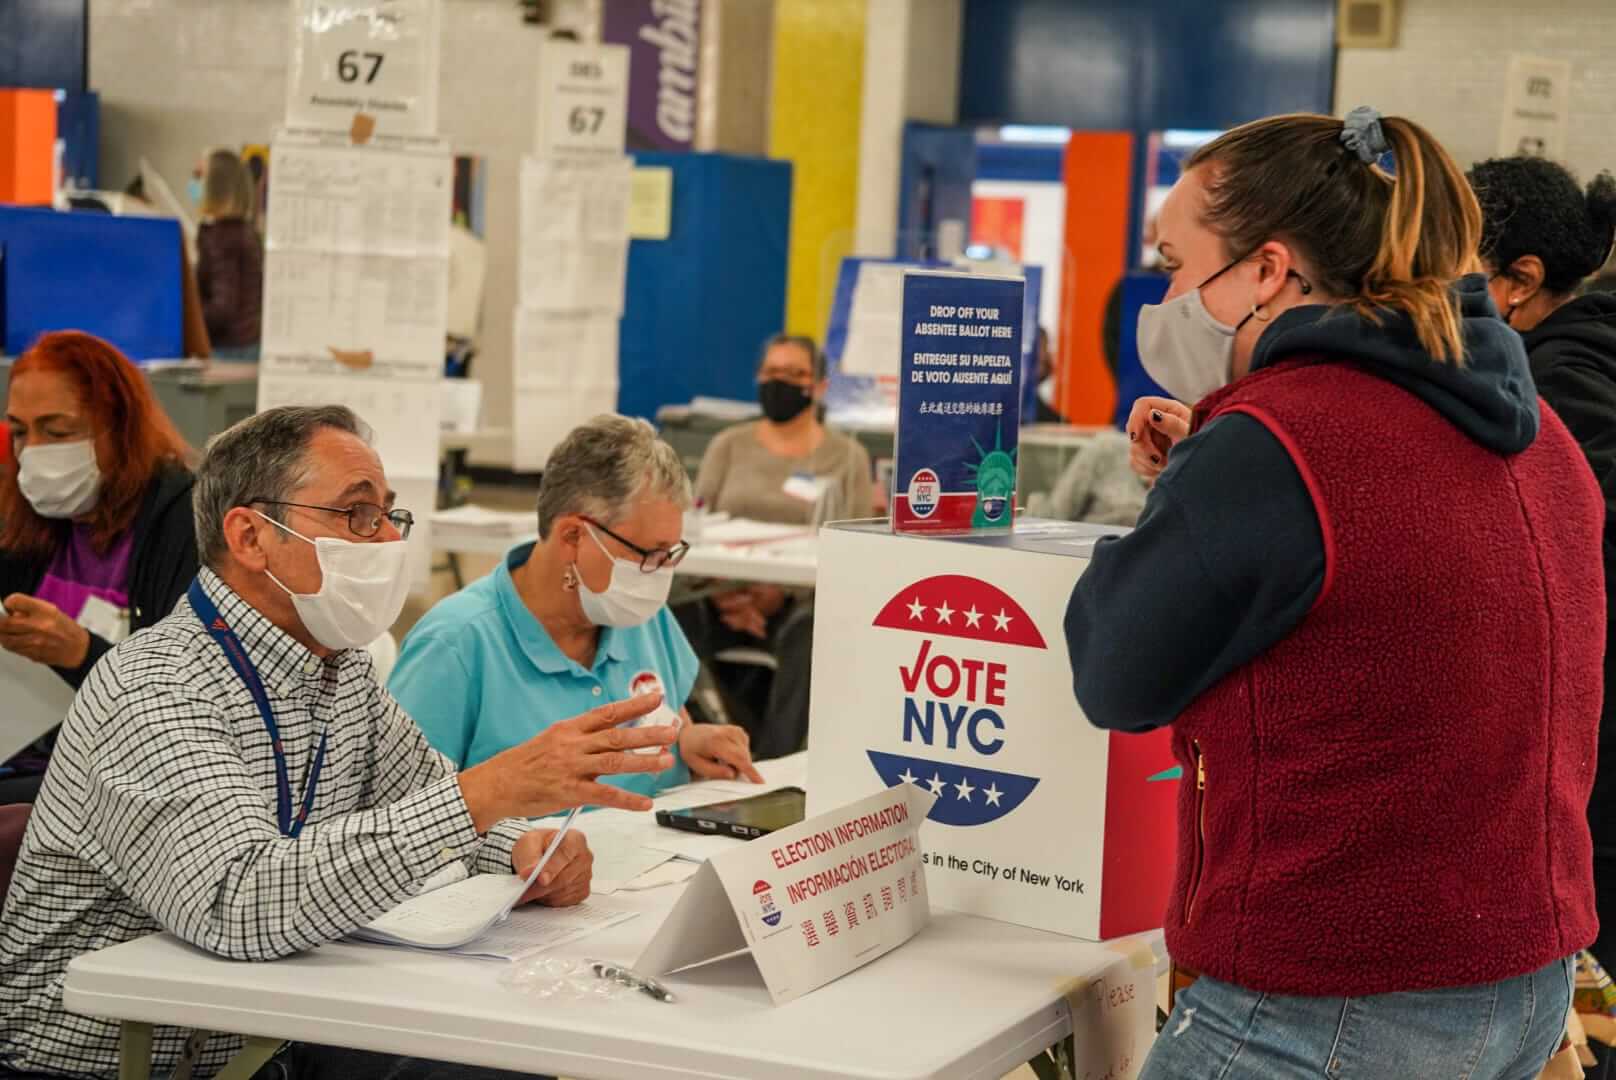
596 691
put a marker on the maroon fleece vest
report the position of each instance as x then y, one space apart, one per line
1392 797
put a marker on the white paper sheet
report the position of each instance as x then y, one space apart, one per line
875 323
462 405
402 413
36 700
574 233
566 373
618 867
534 929
338 314
673 872
359 200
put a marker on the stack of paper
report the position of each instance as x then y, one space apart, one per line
480 523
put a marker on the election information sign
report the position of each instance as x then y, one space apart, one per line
940 665
811 902
959 394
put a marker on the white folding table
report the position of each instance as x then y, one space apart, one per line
966 998
733 551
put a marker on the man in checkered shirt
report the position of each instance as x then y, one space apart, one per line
160 810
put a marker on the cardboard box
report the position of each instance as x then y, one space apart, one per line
943 663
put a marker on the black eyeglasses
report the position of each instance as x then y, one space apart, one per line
364 519
651 559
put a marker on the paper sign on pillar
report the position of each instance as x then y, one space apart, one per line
812 902
356 267
574 247
940 660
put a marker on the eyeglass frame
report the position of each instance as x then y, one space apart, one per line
382 514
671 556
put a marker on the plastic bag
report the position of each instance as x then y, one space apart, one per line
555 977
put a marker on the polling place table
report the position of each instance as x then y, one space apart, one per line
733 550
966 998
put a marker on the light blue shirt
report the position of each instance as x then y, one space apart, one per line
480 674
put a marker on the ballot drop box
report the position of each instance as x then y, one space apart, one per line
942 663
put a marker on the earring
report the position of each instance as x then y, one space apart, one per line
1258 315
569 579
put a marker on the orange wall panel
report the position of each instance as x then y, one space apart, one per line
27 146
1099 183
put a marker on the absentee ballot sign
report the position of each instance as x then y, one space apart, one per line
812 902
959 394
940 664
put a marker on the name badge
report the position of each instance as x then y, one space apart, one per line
806 486
104 620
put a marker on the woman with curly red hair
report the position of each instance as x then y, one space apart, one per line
96 535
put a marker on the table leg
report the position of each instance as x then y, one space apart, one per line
134 1051
250 1058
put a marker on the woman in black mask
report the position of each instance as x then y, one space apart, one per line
790 469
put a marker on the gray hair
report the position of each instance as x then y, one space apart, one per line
262 457
604 467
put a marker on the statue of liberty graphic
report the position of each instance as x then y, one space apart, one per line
995 473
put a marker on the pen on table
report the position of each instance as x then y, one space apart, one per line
628 977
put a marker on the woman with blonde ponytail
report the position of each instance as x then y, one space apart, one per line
1360 595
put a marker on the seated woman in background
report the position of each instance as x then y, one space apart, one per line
1541 236
229 259
790 469
96 534
576 620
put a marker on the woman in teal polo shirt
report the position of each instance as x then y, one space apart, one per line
574 620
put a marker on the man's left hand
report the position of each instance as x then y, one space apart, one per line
37 630
566 877
718 752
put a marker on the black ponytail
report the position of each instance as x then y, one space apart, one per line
1601 200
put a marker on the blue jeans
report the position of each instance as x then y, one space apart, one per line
1498 1031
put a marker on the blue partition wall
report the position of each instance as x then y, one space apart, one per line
115 277
700 303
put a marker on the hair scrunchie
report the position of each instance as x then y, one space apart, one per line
1361 133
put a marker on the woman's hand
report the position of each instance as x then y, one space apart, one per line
37 630
1155 426
717 751
566 877
739 611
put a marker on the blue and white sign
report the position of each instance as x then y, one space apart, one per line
959 395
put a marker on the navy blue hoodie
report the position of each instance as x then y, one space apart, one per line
1228 558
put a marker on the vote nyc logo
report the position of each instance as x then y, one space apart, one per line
955 664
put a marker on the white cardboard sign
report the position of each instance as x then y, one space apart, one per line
378 57
812 902
1535 108
941 664
583 99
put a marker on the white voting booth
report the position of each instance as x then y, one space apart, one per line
941 664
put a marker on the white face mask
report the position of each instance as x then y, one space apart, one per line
1187 351
1182 347
60 480
631 598
362 589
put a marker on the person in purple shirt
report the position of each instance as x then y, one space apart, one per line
96 532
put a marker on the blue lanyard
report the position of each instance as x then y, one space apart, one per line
226 637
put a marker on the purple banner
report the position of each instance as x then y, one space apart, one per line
664 40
